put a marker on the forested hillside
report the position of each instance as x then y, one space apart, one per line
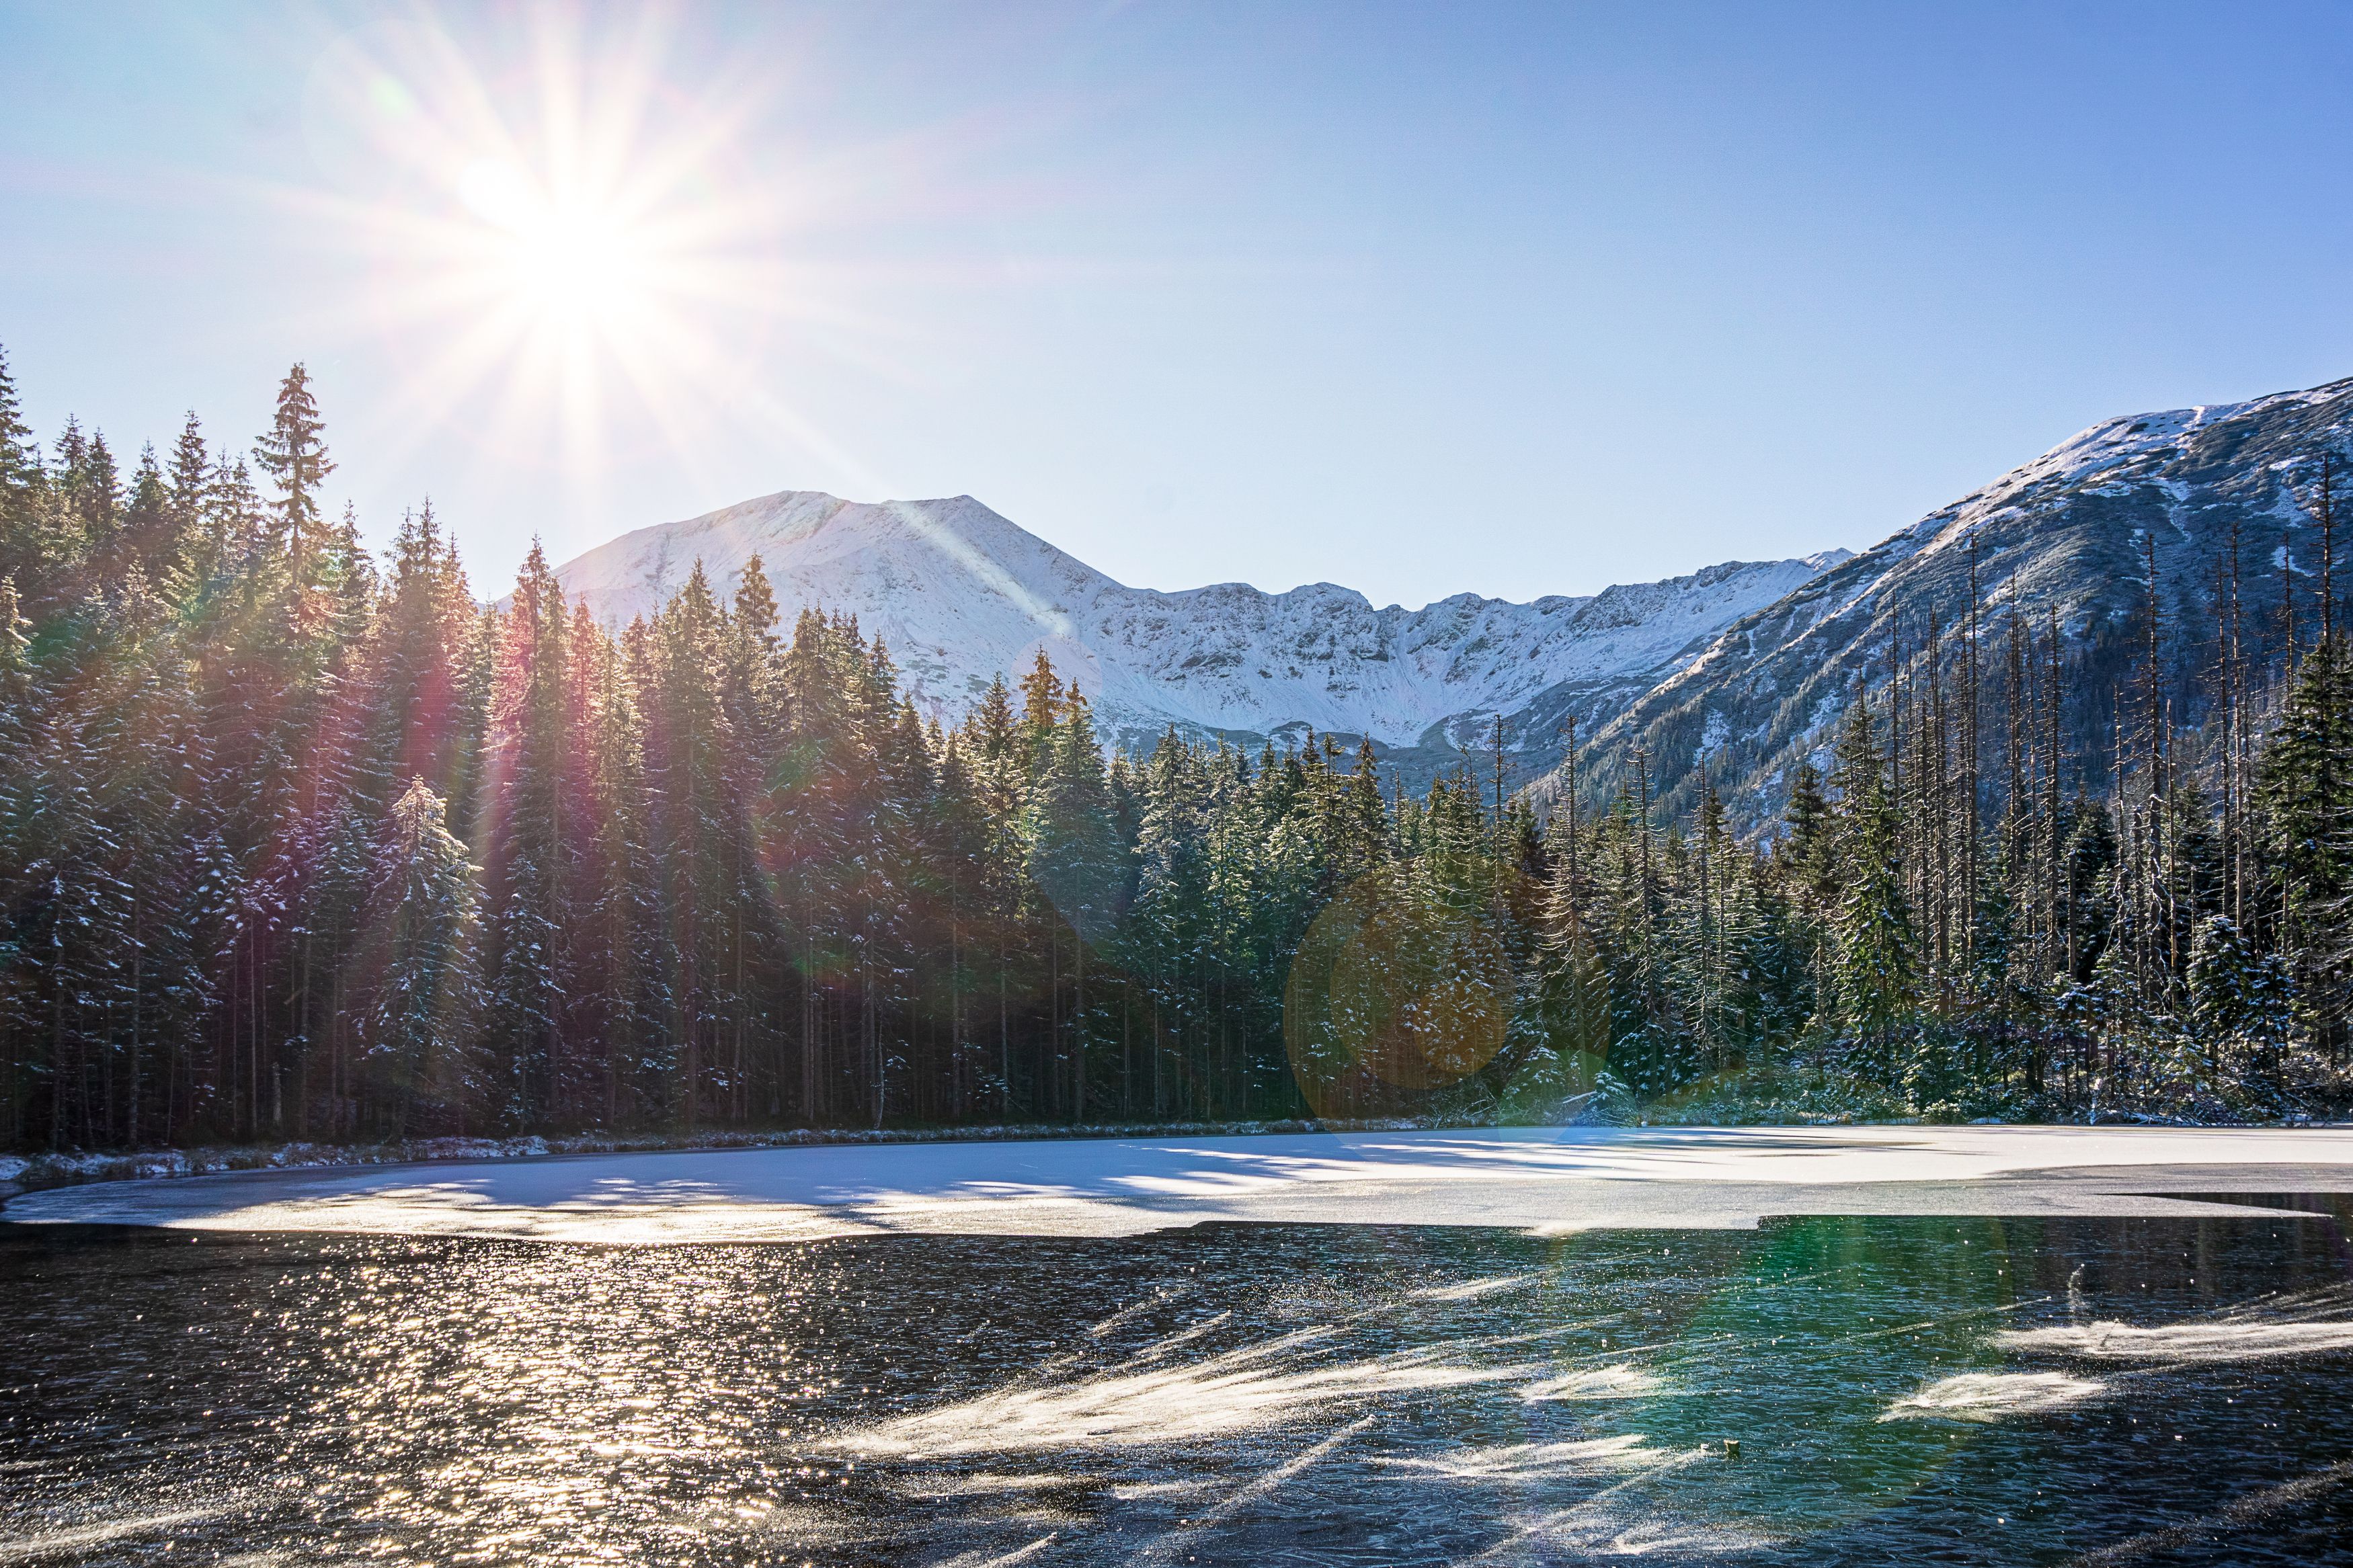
297 843
2211 525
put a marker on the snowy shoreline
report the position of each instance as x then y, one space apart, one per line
43 1171
1546 1180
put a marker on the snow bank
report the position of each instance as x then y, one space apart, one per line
22 1172
1544 1180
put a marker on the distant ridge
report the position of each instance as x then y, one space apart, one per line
2061 537
958 594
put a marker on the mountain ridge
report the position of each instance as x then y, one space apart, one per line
960 593
2064 539
1744 668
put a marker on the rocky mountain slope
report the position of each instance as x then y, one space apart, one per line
960 593
2066 536
1745 667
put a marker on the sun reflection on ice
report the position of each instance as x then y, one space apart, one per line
1992 1395
1139 1403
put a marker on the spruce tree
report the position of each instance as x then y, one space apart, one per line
422 994
2306 789
528 851
1041 701
294 455
1878 951
1074 860
28 544
20 456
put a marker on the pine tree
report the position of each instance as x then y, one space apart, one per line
92 490
696 830
189 482
1878 951
294 455
20 456
1041 701
1073 859
29 546
422 994
1576 988
2306 781
528 852
621 970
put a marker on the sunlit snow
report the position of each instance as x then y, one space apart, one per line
1544 1180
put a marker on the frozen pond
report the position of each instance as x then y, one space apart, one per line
2150 1388
1544 1179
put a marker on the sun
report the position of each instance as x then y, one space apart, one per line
571 260
566 253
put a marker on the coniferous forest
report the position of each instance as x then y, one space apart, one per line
297 843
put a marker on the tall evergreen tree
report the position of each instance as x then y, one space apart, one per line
2307 795
1878 950
422 997
294 455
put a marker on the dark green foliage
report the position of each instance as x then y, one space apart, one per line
290 847
294 455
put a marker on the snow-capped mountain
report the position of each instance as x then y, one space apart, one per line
959 595
2064 537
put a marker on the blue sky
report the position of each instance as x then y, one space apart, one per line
1420 299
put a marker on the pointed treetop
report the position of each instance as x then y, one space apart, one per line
693 608
755 604
992 721
192 469
538 596
1042 694
20 455
294 455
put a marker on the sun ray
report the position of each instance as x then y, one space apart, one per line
568 263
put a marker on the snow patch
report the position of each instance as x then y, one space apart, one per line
1532 1461
1242 1390
960 595
2194 1342
1599 1383
1991 1396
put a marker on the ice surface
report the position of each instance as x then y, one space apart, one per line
1532 1461
1547 1180
2220 1340
1600 1383
1240 1391
79 1540
1991 1396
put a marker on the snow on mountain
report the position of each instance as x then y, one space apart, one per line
959 594
2219 490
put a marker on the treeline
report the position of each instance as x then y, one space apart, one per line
1981 904
297 843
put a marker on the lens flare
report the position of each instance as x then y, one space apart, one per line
1395 993
565 247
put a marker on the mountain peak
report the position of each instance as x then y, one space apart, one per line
2061 539
961 594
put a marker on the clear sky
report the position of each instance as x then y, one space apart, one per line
1420 299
